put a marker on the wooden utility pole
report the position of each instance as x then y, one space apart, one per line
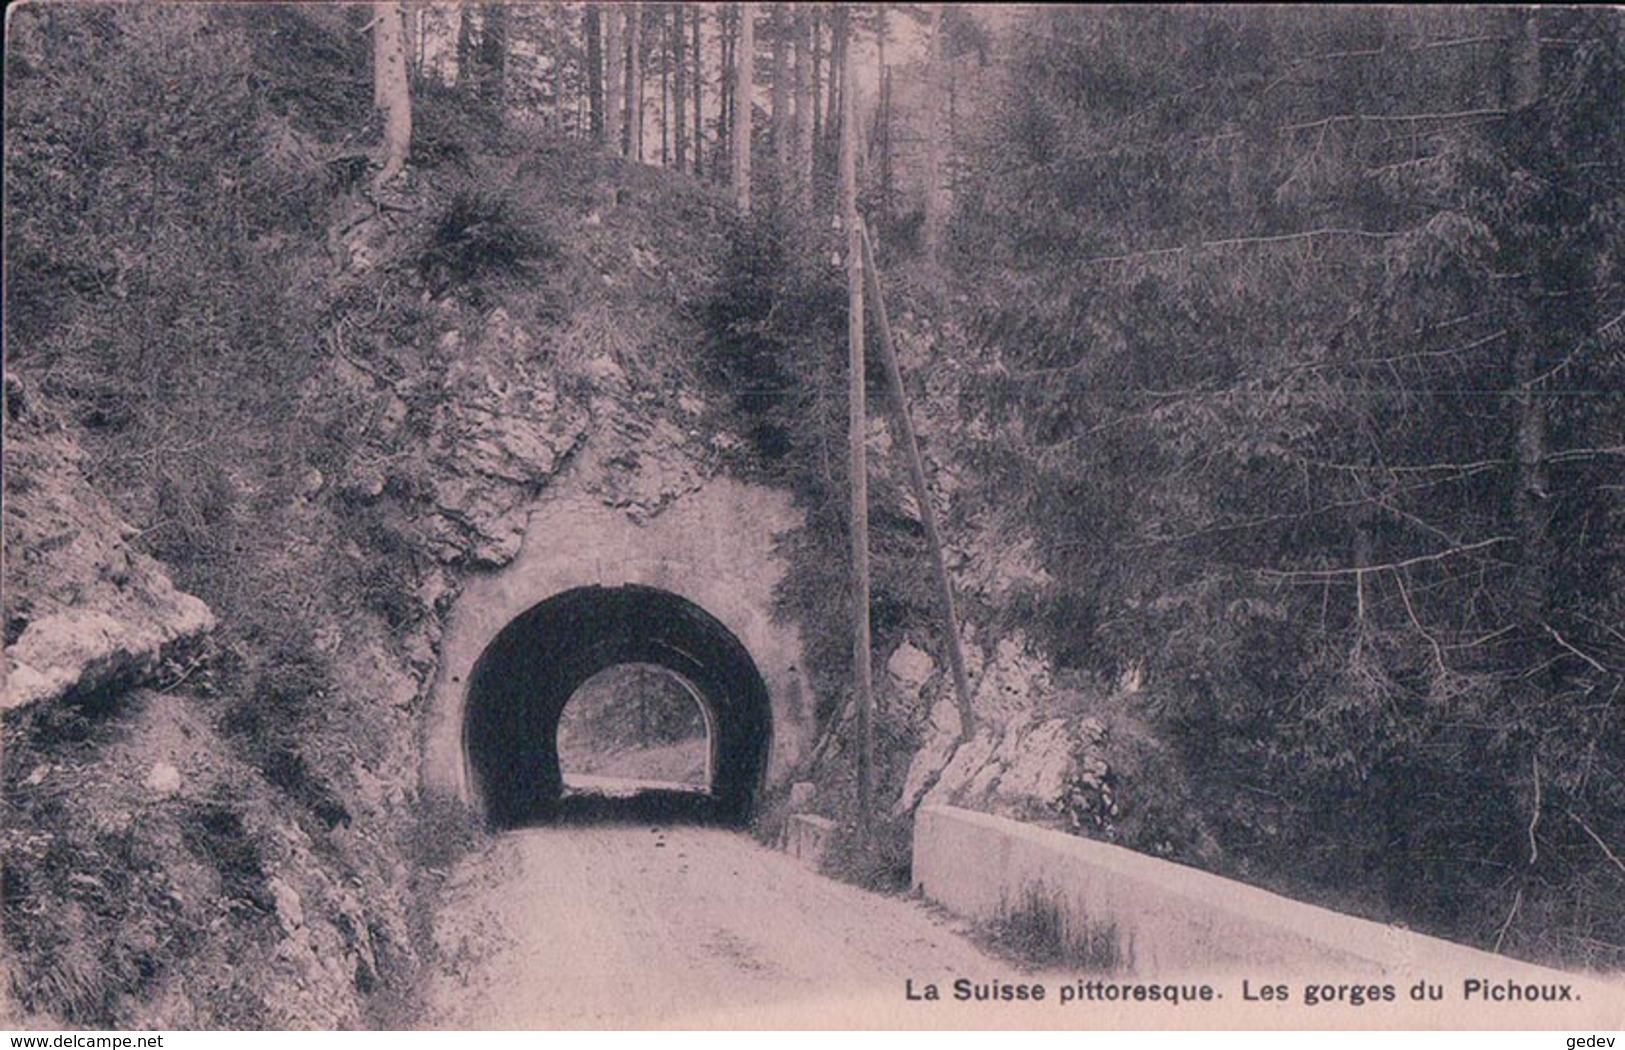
862 687
916 477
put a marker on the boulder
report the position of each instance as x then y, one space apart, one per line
83 609
501 432
164 779
910 666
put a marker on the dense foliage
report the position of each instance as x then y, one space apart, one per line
1302 344
777 322
170 175
161 164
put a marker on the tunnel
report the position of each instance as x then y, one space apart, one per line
525 677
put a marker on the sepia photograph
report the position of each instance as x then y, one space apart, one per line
801 516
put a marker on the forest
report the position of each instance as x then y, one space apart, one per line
1289 340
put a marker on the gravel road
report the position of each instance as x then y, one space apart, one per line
641 926
653 926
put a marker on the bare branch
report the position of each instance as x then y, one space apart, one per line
1585 453
1598 623
1534 850
1438 654
1392 118
1568 359
1236 242
1462 41
1595 838
1326 574
1565 644
1517 899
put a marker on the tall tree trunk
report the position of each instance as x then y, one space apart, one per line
493 56
421 59
557 24
840 32
663 37
614 79
465 49
745 63
1533 329
391 92
679 19
634 81
817 122
1537 323
412 21
780 97
594 32
935 204
881 139
699 85
728 26
805 108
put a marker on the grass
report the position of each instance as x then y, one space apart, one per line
441 831
480 234
1042 929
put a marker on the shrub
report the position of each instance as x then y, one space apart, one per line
481 235
441 832
215 832
886 864
1042 929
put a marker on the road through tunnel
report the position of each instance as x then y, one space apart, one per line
523 681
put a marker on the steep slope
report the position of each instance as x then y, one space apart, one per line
175 816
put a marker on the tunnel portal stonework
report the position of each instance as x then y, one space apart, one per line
690 588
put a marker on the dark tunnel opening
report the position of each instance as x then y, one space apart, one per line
524 679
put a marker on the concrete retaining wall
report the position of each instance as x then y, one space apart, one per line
714 547
1170 919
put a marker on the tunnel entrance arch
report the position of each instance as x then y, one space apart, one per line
521 682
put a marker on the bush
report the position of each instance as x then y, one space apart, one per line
886 864
481 235
442 831
1042 929
215 832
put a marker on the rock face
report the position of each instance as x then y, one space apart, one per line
83 610
501 431
1026 759
515 404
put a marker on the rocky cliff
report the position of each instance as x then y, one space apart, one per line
84 609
